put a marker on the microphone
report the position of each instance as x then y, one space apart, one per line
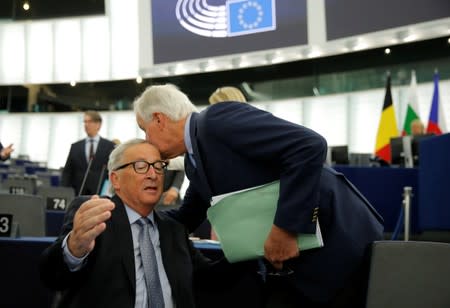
88 169
100 180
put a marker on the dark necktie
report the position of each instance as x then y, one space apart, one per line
154 290
91 149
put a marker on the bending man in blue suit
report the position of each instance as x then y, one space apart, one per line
232 146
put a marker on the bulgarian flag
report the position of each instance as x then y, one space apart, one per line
436 121
387 127
412 109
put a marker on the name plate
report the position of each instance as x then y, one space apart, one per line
56 203
16 190
6 224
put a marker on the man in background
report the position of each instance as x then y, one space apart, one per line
170 199
417 128
88 158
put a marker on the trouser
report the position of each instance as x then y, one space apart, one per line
281 292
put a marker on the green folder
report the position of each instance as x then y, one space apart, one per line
242 221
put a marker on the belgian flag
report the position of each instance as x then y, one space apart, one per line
387 127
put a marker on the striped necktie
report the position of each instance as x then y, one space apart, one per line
154 290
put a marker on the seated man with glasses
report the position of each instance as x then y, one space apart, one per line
122 253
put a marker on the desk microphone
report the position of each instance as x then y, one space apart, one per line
88 169
100 180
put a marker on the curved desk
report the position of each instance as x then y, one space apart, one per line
383 187
20 285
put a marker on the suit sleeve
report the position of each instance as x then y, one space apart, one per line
66 177
294 152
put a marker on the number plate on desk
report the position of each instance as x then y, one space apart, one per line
5 224
56 204
17 190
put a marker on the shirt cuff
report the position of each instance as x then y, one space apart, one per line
74 263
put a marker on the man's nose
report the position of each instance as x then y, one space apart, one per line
151 172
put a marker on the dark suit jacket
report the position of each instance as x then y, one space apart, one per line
237 146
108 277
76 165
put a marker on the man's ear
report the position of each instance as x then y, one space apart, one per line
160 119
114 179
157 116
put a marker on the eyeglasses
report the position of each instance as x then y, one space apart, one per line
142 166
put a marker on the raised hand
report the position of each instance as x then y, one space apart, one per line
88 223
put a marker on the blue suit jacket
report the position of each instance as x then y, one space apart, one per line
237 146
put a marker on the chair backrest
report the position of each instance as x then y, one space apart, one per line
20 186
56 198
48 178
409 274
27 210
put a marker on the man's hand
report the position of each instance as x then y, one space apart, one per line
6 151
170 196
280 246
88 223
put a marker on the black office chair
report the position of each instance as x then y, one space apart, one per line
409 274
28 212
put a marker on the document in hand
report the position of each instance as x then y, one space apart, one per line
242 221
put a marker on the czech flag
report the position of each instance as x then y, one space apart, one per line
436 120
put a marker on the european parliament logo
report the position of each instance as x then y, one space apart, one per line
235 17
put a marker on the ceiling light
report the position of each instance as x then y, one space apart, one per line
387 51
26 6
73 83
139 79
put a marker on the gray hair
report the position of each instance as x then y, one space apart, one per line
115 158
167 99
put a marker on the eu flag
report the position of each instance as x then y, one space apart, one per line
250 16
